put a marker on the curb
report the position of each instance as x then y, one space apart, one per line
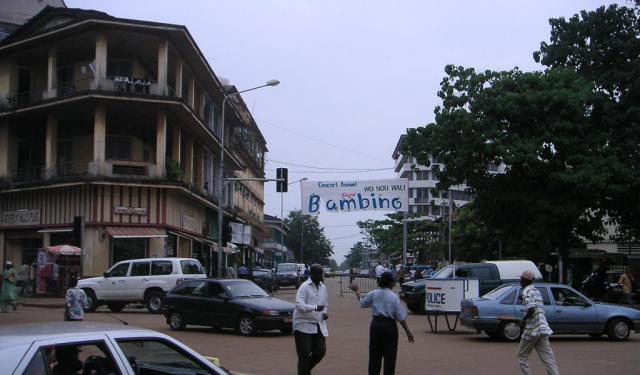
41 305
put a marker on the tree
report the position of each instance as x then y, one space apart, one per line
541 126
603 47
386 235
355 257
305 230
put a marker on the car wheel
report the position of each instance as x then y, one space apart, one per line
618 329
154 301
92 301
246 325
509 331
176 321
286 331
413 308
116 307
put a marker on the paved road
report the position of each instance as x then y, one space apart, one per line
462 352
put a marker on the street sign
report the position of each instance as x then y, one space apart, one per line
445 295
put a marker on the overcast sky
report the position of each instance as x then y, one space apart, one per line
354 74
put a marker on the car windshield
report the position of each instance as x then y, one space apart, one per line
497 292
287 268
245 289
445 273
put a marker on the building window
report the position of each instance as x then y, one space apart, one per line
128 248
422 175
422 195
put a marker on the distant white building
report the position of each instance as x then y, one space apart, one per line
423 197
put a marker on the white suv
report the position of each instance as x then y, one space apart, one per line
139 280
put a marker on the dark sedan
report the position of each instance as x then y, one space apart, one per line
238 304
265 279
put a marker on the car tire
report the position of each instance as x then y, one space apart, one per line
618 329
509 331
116 307
286 331
416 308
153 301
176 321
92 300
246 325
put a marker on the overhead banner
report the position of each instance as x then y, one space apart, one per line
341 196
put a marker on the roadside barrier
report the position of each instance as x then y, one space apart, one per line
365 284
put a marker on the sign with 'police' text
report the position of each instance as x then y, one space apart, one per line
341 196
445 295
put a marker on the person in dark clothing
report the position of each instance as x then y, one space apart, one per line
383 332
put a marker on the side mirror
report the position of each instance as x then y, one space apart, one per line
105 275
223 296
586 304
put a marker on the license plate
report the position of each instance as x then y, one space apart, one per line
288 320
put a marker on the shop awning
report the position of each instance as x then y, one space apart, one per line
55 230
230 248
64 250
136 232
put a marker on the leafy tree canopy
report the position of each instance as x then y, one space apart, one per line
305 233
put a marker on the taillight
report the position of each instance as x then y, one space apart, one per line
474 312
179 281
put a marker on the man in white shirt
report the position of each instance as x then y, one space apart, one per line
379 270
310 321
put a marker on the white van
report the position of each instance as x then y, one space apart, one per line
512 269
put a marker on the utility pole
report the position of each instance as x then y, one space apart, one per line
449 215
404 239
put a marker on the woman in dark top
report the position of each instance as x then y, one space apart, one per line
383 332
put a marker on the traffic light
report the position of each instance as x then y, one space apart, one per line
282 174
76 234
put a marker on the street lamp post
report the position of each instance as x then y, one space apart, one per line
273 82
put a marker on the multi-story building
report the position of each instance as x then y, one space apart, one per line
423 196
275 248
116 123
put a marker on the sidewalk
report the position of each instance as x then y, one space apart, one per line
42 302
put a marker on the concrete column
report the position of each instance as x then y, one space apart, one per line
163 66
179 78
161 143
199 168
187 164
101 58
175 147
4 149
192 93
99 133
52 73
51 147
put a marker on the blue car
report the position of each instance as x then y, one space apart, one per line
498 312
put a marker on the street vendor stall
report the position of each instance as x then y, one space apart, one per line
56 264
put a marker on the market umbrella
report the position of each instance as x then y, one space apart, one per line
64 250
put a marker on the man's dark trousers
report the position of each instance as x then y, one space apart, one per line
383 343
311 349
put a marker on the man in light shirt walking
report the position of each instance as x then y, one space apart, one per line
535 328
310 321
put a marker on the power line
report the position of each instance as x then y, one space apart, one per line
262 121
327 172
331 168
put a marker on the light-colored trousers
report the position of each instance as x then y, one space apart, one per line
541 345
